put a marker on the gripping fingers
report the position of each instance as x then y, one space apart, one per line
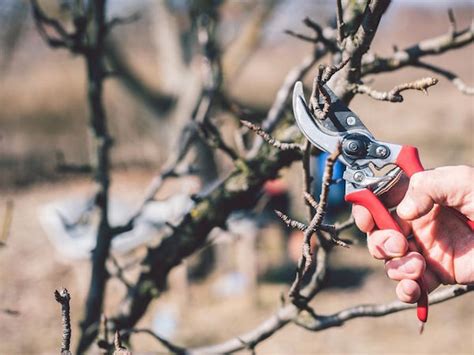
363 218
386 244
408 291
447 186
410 266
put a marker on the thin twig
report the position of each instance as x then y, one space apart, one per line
119 349
452 29
348 223
301 226
103 340
269 139
118 21
340 23
213 138
307 177
302 36
330 70
119 272
394 94
167 344
310 199
63 298
327 42
319 95
305 260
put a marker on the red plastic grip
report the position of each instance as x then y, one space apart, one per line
384 220
409 160
382 217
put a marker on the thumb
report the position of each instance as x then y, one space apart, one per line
447 186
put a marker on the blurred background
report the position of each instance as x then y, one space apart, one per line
44 128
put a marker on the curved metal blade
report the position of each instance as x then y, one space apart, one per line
304 119
325 134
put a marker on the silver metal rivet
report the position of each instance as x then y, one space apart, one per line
381 151
358 176
351 120
353 147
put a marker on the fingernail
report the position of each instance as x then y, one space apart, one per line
406 208
392 247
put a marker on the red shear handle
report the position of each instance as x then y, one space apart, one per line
409 161
384 220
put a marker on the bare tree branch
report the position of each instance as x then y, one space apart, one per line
118 21
166 343
300 225
290 313
357 45
452 23
455 80
305 260
301 36
340 23
394 94
410 55
42 21
237 191
269 139
157 101
278 320
326 36
63 297
319 93
119 349
319 323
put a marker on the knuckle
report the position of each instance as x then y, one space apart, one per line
417 180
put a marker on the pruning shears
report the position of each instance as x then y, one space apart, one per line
372 167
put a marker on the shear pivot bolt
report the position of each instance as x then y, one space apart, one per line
381 151
358 176
353 147
351 120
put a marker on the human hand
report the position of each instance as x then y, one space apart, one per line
440 235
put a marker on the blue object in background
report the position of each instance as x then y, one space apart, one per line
336 202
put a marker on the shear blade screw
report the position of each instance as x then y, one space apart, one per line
351 120
381 151
353 147
358 176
